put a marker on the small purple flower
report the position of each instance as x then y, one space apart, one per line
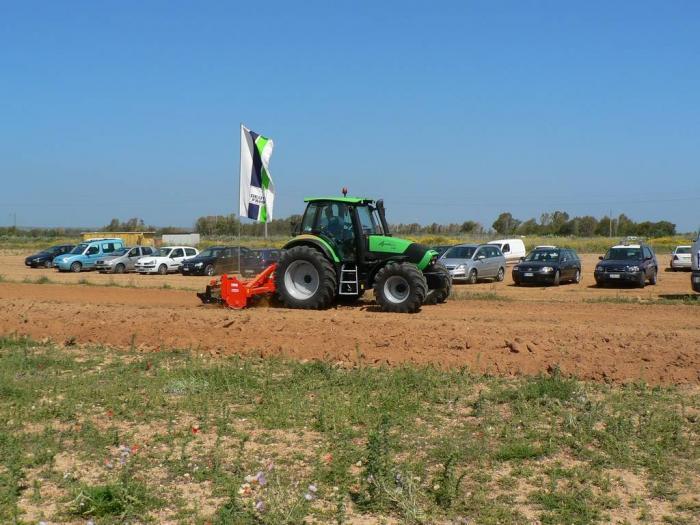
260 477
260 506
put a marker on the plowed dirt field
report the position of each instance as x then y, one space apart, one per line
504 330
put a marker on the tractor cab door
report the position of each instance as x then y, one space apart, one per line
333 222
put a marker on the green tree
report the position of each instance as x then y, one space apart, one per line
505 224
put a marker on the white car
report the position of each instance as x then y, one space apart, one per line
680 258
513 249
167 260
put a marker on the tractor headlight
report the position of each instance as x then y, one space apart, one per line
633 268
547 269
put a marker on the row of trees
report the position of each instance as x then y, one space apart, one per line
554 223
559 223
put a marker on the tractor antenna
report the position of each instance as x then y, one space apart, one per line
345 192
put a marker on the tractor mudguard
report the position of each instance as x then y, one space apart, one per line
315 242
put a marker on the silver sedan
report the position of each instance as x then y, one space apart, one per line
471 262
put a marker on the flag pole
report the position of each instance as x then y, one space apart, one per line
240 159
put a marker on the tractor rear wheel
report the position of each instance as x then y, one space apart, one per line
400 288
305 278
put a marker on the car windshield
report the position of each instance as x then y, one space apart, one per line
460 252
211 252
164 252
543 255
683 249
79 249
624 254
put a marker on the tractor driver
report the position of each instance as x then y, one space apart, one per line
338 226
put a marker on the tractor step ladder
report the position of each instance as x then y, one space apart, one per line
349 283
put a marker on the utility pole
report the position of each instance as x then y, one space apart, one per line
610 223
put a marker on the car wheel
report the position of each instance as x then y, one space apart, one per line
654 277
642 281
557 278
577 277
472 277
119 268
209 270
47 264
501 274
516 282
76 267
162 269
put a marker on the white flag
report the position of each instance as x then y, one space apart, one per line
257 193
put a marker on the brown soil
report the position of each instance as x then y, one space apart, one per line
534 330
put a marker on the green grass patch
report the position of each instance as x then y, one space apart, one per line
121 436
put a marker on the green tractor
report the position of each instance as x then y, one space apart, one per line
343 247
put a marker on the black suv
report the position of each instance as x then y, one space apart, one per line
548 266
257 260
45 257
214 260
628 263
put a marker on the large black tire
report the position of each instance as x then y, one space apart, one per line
654 277
400 288
209 270
306 279
440 295
642 281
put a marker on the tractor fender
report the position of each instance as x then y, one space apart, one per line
316 243
381 264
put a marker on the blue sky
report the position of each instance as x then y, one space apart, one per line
450 111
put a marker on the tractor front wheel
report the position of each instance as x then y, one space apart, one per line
400 288
440 295
305 278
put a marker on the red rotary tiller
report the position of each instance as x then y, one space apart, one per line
236 293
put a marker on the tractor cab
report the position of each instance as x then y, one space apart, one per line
345 223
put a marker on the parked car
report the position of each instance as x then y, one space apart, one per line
256 261
680 258
441 248
628 263
548 266
513 249
86 254
695 268
471 262
123 260
45 257
214 260
167 260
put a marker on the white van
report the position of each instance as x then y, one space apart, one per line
513 249
695 266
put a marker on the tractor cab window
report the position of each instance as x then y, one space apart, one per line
335 221
369 221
